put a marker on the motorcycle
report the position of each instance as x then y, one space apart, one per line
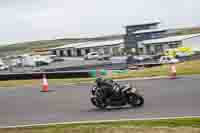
126 95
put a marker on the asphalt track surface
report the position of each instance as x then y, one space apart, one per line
163 98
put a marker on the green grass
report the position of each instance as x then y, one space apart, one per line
191 123
185 68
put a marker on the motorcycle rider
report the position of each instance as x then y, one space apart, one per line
107 92
109 87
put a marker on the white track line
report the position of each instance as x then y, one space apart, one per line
97 121
145 78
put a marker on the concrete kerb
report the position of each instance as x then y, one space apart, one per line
144 78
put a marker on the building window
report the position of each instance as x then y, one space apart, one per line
115 51
138 36
62 53
106 50
95 49
78 52
87 51
148 50
155 35
69 53
153 27
54 52
173 45
159 48
141 50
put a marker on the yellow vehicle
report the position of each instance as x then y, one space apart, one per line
181 51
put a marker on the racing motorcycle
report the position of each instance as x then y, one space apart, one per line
109 93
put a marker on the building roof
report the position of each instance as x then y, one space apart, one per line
146 23
149 31
169 39
101 43
72 45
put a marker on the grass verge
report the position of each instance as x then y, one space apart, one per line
172 125
185 68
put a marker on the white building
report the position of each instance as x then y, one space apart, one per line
155 46
113 47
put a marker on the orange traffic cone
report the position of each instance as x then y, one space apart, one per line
173 71
44 84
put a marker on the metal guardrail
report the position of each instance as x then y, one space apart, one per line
50 75
108 66
59 73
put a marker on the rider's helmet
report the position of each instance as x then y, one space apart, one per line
98 81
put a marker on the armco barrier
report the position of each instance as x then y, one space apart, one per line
108 66
50 75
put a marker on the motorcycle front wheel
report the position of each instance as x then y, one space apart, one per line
136 100
98 103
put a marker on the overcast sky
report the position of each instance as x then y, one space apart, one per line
24 20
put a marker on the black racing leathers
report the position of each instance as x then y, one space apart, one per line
108 87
